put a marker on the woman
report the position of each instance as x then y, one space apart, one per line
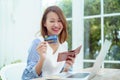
42 59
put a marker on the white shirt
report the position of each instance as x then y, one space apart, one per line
51 66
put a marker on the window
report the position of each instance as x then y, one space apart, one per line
101 21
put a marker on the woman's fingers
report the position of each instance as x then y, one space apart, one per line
69 63
70 60
42 48
42 44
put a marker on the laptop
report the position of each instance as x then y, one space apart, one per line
96 67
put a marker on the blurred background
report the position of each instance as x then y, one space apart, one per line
90 22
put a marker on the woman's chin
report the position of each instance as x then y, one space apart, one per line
55 34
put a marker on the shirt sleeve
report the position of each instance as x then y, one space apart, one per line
33 57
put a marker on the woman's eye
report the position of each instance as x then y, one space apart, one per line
51 21
59 21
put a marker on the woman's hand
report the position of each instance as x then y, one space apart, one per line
41 49
69 62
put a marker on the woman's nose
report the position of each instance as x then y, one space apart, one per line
56 24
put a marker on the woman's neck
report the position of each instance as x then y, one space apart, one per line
54 46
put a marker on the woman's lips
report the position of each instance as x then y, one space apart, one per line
56 30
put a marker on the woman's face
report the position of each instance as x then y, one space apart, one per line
53 24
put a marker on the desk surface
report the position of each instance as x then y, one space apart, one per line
103 74
106 74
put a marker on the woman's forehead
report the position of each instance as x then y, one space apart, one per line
52 15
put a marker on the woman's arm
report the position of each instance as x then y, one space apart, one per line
31 71
38 67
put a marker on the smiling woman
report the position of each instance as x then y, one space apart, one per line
42 53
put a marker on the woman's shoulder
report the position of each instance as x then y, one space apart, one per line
35 42
65 45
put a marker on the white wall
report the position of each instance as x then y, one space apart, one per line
20 21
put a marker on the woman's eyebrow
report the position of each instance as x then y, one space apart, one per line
54 19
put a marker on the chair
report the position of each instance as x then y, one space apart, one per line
12 71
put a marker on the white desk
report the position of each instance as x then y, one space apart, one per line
103 74
106 74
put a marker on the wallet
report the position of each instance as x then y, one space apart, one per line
62 56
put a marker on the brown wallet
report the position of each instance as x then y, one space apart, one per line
62 56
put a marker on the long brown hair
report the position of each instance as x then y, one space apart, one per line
63 35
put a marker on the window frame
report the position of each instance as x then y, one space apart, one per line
78 24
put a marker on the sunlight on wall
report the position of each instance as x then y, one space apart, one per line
20 21
46 3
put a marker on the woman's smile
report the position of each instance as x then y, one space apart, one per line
56 30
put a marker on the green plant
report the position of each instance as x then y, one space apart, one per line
0 78
16 61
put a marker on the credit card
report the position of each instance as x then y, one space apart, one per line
51 38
